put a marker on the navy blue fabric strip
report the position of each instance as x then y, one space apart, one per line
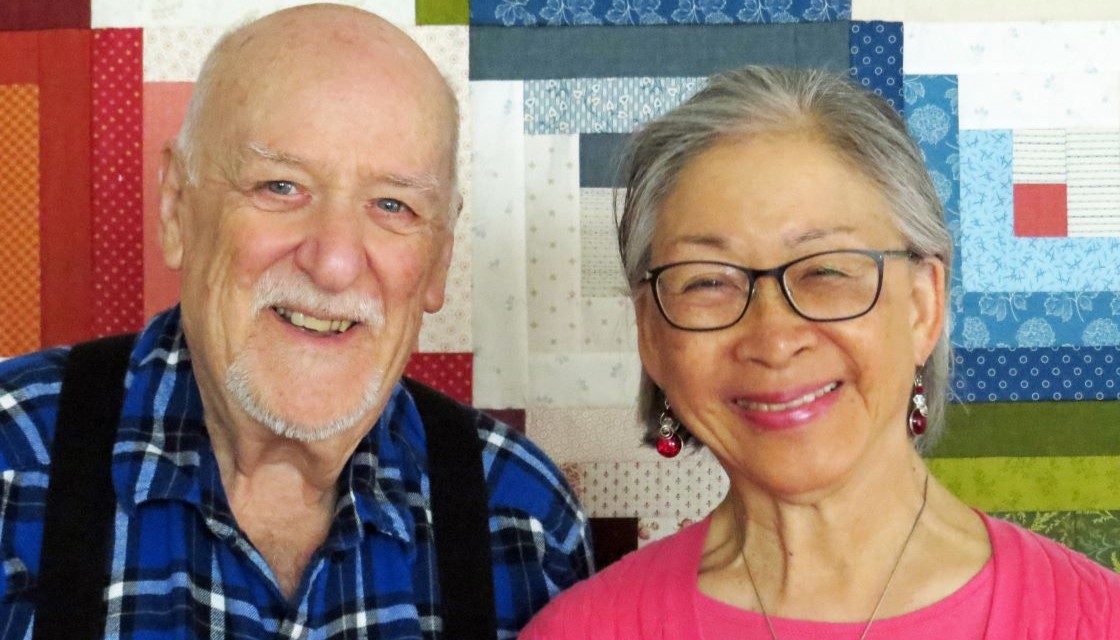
526 13
876 56
1035 374
500 53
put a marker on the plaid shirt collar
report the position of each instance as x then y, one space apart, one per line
163 451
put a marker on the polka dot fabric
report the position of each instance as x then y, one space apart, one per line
876 59
1025 375
19 219
118 241
451 373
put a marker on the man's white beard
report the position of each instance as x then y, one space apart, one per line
299 292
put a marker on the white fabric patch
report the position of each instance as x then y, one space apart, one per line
600 269
1039 156
686 487
608 325
1039 100
501 343
589 434
583 379
553 242
1093 192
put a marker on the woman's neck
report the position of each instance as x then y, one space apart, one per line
828 555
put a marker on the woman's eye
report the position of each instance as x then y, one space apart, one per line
710 283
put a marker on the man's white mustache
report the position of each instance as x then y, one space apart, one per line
297 292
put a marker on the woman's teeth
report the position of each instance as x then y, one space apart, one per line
796 402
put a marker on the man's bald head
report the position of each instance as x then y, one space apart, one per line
279 52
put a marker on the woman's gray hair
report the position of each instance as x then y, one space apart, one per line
862 127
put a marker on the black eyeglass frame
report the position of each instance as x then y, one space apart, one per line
779 275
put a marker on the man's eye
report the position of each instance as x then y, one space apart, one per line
391 205
280 187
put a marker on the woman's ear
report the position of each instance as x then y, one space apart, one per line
645 314
927 317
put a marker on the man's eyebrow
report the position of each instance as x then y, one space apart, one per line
423 181
419 181
274 155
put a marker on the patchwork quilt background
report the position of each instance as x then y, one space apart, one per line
1016 107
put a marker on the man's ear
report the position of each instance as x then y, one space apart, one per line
173 180
436 289
927 318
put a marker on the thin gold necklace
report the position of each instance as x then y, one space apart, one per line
886 587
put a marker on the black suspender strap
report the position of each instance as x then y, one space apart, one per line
74 562
460 514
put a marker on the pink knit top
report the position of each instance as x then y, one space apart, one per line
1031 588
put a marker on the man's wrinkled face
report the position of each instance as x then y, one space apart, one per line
316 235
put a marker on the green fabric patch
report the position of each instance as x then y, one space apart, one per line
1084 483
443 12
1098 536
1088 428
1093 533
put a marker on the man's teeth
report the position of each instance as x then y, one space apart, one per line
796 402
311 323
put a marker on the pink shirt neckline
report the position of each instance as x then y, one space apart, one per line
970 602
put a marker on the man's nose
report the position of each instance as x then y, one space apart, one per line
331 252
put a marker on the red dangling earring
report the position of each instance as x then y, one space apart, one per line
919 415
668 442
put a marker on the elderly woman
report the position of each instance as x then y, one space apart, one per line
788 261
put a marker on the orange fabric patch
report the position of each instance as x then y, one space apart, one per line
19 219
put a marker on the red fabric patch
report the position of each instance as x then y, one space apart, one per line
26 15
1040 211
165 103
118 218
451 373
66 211
512 417
58 62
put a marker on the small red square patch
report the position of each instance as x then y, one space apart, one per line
1041 211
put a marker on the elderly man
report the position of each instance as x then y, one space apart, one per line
268 472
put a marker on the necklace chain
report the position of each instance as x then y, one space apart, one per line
882 594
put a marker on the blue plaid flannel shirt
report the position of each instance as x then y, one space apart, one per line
182 568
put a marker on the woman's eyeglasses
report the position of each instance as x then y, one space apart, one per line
822 287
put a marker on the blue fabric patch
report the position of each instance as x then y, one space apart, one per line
876 59
931 116
1005 319
1056 373
1010 319
675 50
601 105
600 161
997 261
555 13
